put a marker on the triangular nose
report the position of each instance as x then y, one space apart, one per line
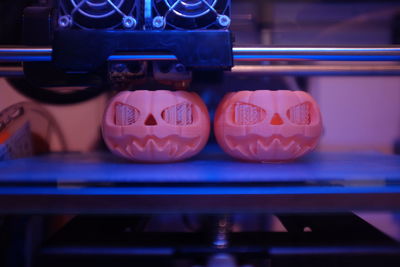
150 121
276 120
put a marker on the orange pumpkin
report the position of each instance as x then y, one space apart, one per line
156 126
268 125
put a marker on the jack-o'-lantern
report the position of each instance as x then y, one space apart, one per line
267 125
156 126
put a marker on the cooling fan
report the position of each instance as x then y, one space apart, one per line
190 14
99 14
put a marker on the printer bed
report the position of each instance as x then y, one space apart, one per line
209 183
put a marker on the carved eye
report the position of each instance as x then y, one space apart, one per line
247 114
125 114
180 114
300 114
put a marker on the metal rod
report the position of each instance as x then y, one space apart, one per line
319 49
297 70
8 71
25 54
382 53
373 53
317 70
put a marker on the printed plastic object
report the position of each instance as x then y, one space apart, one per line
156 126
267 125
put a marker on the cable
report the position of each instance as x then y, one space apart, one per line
56 96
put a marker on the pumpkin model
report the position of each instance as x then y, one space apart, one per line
268 125
156 126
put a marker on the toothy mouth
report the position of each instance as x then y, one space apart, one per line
273 148
152 148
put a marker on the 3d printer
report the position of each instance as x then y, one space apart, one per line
209 211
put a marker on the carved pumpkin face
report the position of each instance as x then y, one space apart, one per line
156 126
268 125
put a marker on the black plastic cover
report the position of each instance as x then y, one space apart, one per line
78 50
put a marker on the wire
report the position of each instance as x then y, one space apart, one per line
55 95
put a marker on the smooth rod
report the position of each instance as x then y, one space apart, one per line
272 53
297 70
317 70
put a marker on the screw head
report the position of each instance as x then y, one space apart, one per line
180 68
129 22
118 67
158 22
223 20
65 21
